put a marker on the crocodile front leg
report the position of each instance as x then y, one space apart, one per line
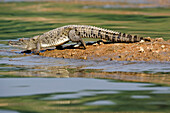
75 38
38 46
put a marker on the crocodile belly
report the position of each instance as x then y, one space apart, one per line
55 42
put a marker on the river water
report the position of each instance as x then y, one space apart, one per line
31 83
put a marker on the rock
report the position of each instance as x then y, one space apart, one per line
156 51
95 44
111 59
83 57
163 46
105 59
73 53
148 39
159 39
120 56
150 49
141 50
142 41
101 43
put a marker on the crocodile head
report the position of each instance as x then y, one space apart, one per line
25 43
21 43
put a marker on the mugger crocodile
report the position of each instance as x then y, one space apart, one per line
74 33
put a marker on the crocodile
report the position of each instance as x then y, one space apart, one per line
74 33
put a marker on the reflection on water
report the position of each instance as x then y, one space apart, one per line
107 66
73 87
31 86
8 111
80 94
37 66
140 96
101 102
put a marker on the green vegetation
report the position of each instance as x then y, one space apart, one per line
26 19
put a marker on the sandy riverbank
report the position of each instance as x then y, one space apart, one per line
156 50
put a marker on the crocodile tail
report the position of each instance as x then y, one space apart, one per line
122 37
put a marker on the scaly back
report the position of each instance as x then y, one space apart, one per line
85 31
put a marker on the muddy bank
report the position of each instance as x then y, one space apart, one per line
155 50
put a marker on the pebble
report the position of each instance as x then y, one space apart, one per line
142 41
148 39
163 46
83 57
101 43
150 49
73 53
159 39
95 44
141 50
156 51
105 59
111 59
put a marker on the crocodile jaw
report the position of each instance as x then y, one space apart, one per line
18 44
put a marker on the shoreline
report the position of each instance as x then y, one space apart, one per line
156 50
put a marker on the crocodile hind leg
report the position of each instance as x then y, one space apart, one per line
82 43
75 38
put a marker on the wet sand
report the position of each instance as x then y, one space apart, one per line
154 50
